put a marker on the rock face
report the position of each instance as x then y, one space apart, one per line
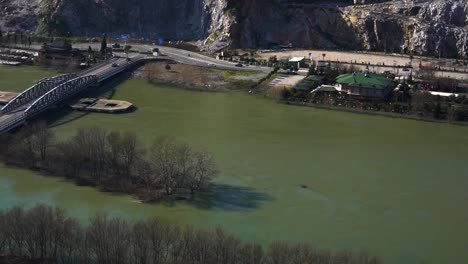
20 15
264 23
436 27
177 19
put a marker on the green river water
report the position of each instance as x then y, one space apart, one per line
391 187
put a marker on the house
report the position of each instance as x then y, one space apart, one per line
298 62
365 85
309 83
61 48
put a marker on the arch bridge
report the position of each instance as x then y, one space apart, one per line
51 91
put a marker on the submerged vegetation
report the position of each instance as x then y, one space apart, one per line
46 233
113 161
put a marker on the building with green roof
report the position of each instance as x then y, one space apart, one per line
368 85
309 83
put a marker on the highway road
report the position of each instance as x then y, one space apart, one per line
183 56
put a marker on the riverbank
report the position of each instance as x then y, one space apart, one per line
196 77
372 113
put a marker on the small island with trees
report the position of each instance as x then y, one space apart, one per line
113 161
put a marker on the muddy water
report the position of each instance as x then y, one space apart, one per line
391 187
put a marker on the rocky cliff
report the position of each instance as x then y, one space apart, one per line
437 27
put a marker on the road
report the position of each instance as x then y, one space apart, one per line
375 59
183 56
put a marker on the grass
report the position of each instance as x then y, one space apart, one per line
231 73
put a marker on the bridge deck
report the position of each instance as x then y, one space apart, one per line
103 71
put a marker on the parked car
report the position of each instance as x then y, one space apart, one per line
239 65
115 65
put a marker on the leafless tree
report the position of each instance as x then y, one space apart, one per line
48 233
202 171
165 159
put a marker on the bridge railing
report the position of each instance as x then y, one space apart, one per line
120 69
61 92
96 66
35 91
12 123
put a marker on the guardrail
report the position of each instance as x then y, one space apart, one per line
4 127
96 66
120 68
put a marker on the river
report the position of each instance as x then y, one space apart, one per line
391 187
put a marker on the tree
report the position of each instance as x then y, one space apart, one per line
127 49
15 38
89 147
104 45
42 139
125 151
42 234
167 162
8 36
202 171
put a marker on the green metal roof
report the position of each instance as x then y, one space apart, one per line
314 78
308 83
368 80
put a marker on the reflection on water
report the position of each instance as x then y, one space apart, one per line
230 198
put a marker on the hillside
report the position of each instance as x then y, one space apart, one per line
424 26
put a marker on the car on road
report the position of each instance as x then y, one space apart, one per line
211 65
239 65
115 65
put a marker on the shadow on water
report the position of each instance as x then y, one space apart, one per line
63 115
225 197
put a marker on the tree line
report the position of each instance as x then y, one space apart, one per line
113 161
10 38
47 233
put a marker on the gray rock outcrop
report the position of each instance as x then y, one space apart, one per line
436 27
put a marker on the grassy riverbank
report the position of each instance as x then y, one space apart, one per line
374 113
197 78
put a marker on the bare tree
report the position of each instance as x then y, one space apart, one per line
44 232
125 152
42 139
164 157
202 171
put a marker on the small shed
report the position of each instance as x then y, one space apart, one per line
298 62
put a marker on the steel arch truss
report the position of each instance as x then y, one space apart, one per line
40 88
61 92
